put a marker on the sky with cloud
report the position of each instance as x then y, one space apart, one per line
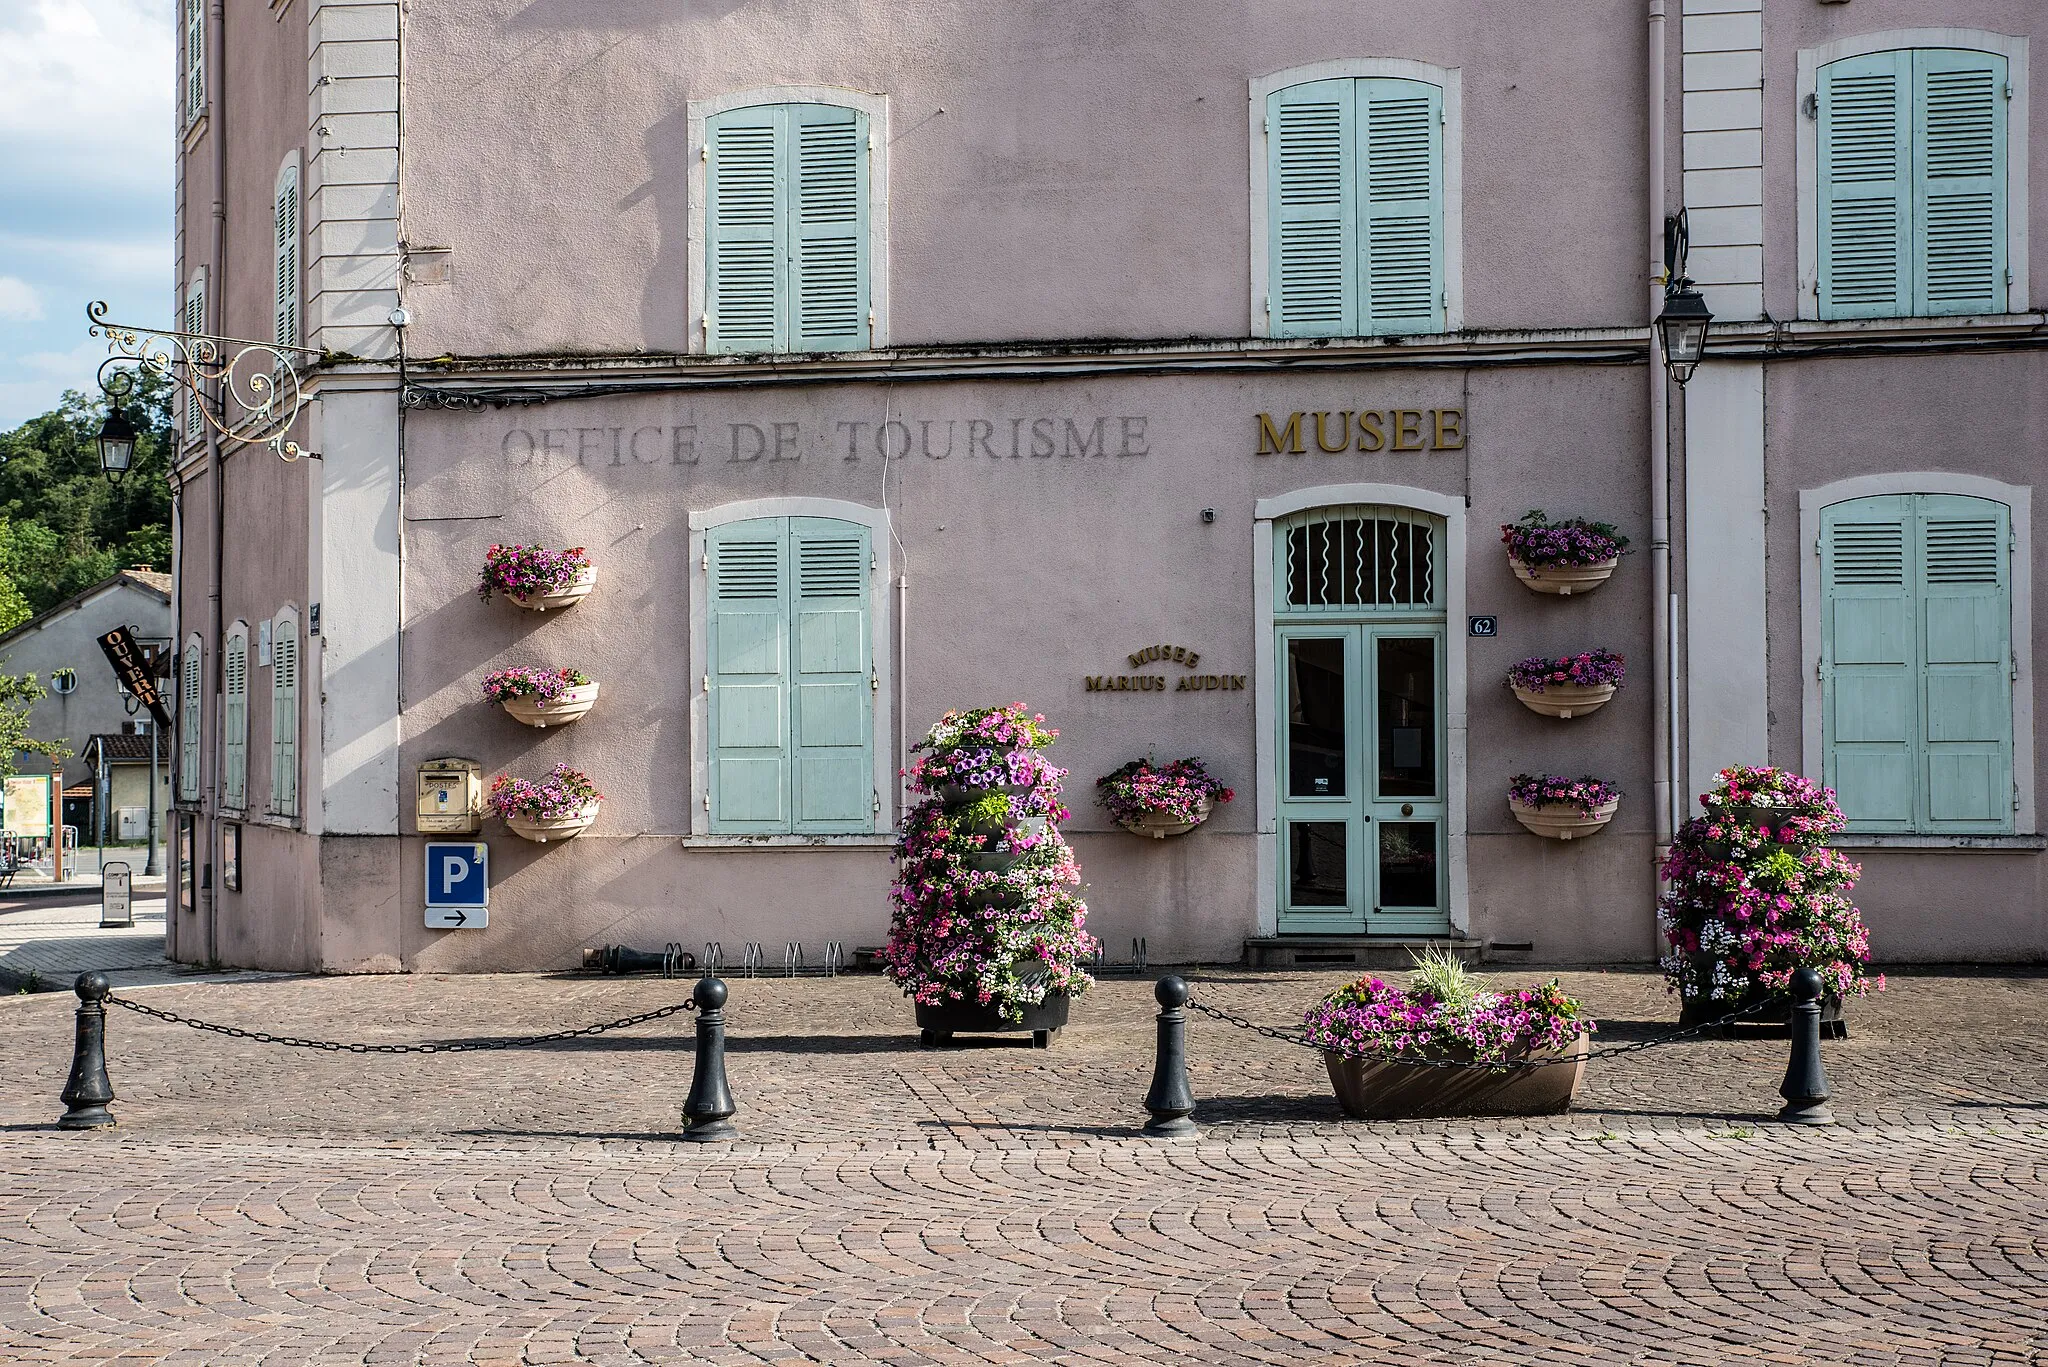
86 164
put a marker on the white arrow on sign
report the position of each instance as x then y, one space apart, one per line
457 918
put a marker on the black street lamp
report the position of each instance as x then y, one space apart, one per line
117 443
1683 326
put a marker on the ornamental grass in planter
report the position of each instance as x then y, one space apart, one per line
559 807
1755 893
1567 557
1569 686
536 577
1170 799
986 931
541 697
1376 1037
1562 808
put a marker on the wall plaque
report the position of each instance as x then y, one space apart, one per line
1156 683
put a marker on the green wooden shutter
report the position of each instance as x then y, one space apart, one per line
1869 664
1959 204
1865 111
195 321
832 776
188 720
284 717
744 278
235 719
828 229
1400 125
195 59
1966 663
1312 190
286 296
749 672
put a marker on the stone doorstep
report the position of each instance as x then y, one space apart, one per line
1351 951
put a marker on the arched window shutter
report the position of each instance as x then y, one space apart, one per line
235 719
286 297
189 664
284 717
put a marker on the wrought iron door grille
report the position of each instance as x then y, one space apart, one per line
1359 557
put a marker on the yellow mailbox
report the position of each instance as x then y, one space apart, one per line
451 797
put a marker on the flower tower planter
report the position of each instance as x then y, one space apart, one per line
536 577
1755 893
986 932
1560 808
1572 556
1160 800
1569 686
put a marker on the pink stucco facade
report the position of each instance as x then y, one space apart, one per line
501 223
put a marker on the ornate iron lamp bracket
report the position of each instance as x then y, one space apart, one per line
259 401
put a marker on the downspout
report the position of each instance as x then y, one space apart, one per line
216 282
1663 619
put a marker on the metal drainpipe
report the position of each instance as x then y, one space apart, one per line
216 284
1663 620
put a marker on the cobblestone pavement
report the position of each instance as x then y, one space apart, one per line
48 938
991 1205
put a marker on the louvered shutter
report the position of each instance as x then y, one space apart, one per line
286 295
195 59
195 322
188 720
1865 173
749 672
832 777
828 229
235 720
1312 189
744 246
1400 127
284 718
1869 663
1966 663
1959 182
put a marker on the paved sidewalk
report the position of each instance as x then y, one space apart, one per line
992 1205
47 940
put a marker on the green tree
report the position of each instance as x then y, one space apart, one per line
18 693
63 525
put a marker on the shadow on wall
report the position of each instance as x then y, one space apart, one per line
618 14
664 304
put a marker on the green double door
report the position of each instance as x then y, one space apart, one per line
1362 779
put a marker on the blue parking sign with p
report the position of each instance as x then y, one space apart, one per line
458 881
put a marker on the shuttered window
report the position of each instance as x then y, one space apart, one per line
791 677
1913 184
1355 196
193 320
189 664
285 298
234 665
195 59
786 229
1917 663
284 715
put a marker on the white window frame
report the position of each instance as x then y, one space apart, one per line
881 650
2019 498
1450 80
287 622
876 108
1266 673
1807 159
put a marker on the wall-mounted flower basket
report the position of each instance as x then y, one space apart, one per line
1570 686
536 577
1567 557
559 807
541 697
1158 801
1561 808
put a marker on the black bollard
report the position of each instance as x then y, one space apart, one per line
1806 1083
89 1089
707 1115
1171 1100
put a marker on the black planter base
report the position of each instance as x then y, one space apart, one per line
1699 1010
938 1024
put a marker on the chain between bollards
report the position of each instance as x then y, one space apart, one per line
1806 1083
88 1090
707 1114
1171 1099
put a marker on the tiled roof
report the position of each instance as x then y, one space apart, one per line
126 749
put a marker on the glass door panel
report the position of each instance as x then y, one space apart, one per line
1318 864
1404 676
1406 810
1326 872
1407 865
1317 702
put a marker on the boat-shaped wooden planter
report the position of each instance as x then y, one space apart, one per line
1384 1090
575 591
545 829
1563 579
1561 820
1158 825
1565 700
568 705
